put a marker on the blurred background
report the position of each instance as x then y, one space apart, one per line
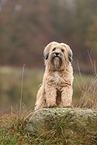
26 27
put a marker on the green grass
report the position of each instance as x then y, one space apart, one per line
12 129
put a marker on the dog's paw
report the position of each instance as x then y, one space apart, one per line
50 105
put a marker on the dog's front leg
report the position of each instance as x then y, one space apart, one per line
66 96
41 101
50 96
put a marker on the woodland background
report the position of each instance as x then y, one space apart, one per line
27 26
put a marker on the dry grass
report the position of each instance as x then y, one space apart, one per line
88 97
13 132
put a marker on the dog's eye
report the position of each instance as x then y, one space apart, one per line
54 49
62 50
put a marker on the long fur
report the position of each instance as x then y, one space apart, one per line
56 88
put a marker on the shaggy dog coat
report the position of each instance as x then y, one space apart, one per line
56 88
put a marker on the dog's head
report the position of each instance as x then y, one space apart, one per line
57 55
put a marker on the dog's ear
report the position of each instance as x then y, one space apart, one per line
70 54
47 49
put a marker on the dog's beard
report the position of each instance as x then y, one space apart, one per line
56 62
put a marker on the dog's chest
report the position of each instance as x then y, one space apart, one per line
57 79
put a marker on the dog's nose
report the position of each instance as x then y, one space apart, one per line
57 53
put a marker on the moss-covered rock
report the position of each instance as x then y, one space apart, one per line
68 120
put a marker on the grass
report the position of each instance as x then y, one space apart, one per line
12 129
10 87
13 133
85 91
89 95
12 121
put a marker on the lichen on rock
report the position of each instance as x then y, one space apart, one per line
75 120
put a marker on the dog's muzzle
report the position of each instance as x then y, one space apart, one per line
56 60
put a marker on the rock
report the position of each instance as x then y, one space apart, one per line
69 119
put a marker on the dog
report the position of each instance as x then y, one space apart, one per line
56 88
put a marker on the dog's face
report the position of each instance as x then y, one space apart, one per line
57 55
